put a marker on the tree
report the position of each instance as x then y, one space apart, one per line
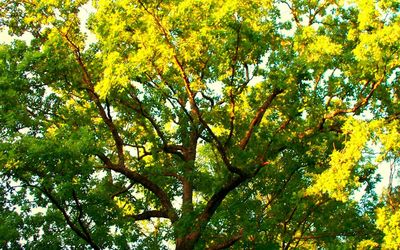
200 124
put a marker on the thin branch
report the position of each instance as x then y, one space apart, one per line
67 218
395 116
108 109
122 191
138 148
294 13
329 235
312 17
236 55
231 118
208 98
80 216
180 102
140 110
278 192
227 243
302 224
177 176
168 148
147 215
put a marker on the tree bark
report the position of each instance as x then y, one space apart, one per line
188 241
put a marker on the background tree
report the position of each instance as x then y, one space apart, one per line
200 124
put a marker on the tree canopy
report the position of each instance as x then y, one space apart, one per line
209 124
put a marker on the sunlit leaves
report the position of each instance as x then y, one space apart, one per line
388 221
192 32
314 46
388 136
338 177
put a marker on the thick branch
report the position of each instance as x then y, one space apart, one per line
187 196
361 103
189 240
191 96
218 197
258 117
95 98
231 95
196 110
145 182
